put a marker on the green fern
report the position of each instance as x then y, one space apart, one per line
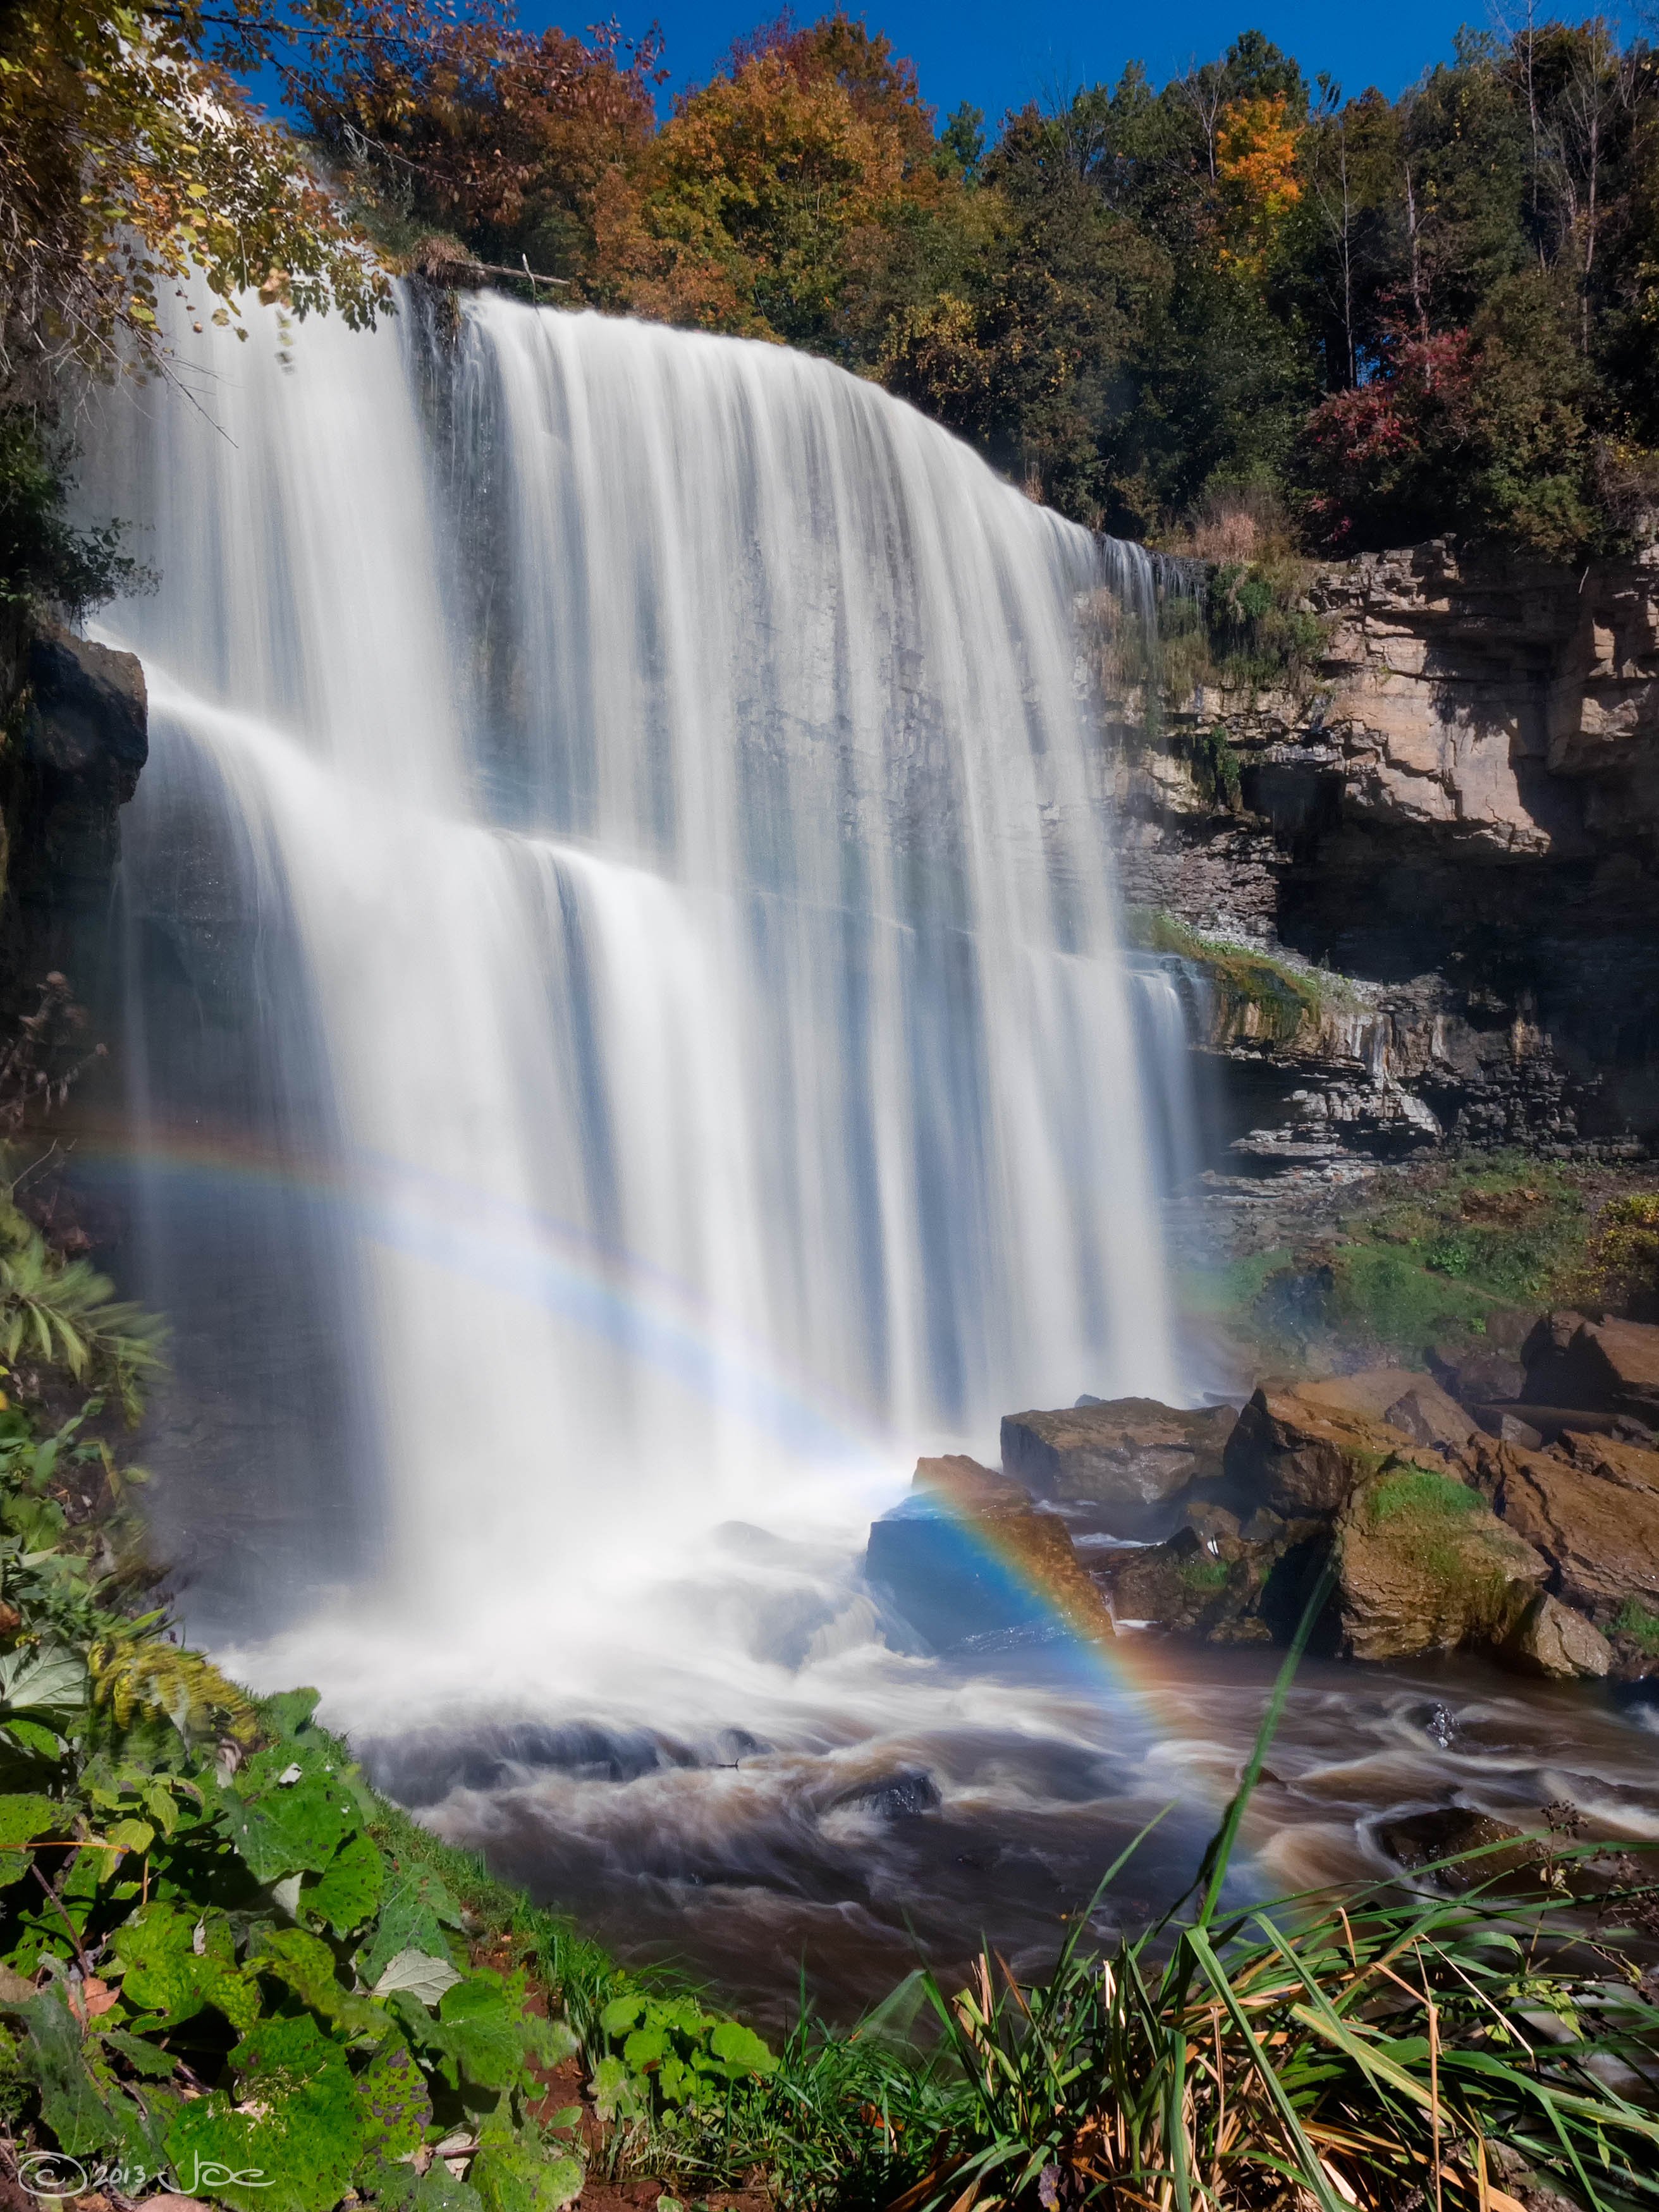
65 1313
133 1678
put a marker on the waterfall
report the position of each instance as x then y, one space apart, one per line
626 1032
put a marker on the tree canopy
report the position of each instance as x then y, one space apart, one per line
1397 316
1391 317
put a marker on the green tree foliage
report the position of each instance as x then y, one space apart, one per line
132 164
1399 317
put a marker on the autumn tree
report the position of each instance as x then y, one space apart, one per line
800 195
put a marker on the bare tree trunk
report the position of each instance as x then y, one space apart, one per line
1414 235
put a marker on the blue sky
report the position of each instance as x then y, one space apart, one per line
998 53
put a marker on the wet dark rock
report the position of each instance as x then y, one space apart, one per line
1423 1840
1207 1518
898 1798
1440 1726
81 717
1130 1458
967 1555
1220 1587
423 1767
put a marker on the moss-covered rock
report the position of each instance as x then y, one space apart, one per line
1424 1565
1300 1448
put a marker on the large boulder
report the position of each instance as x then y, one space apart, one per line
1424 1565
1608 1366
1301 1448
1131 1458
1599 1534
968 1554
1551 1640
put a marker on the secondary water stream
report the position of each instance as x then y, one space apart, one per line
628 1047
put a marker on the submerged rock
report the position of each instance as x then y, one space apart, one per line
967 1554
895 1797
1131 1457
1423 1840
1424 1565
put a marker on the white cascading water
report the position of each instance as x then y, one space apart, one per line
621 874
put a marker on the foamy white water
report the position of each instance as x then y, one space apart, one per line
622 876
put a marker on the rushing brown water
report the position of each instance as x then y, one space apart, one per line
851 1860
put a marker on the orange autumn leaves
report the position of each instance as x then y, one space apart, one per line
771 187
1257 151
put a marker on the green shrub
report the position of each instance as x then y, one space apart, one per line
1637 1622
44 561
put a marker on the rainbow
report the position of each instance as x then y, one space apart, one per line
632 1305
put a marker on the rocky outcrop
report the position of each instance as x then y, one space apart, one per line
967 1555
1424 1565
1601 1536
1461 814
1133 1459
1300 1448
75 716
1609 1367
1552 1640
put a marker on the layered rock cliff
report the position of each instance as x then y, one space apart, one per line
1461 815
73 739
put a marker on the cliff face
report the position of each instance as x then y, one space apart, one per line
73 739
1461 814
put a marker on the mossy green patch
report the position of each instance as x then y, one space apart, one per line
1642 1626
1285 997
1201 1573
1420 1496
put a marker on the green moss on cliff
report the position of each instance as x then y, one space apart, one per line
1285 997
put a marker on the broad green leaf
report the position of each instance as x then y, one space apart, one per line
47 1679
289 1710
514 2177
413 1915
24 1818
284 1826
621 2013
32 1736
349 1888
146 2057
305 1965
398 2189
396 2109
481 2021
740 2050
615 2092
420 1974
296 2139
55 2060
166 1972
